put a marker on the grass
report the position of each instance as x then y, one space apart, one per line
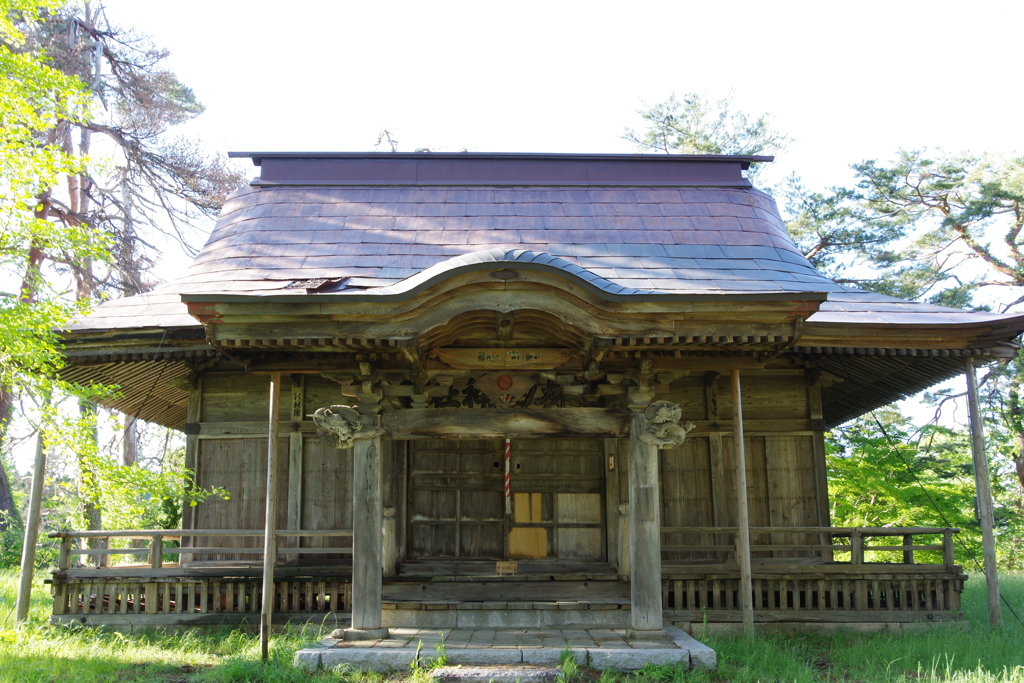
968 653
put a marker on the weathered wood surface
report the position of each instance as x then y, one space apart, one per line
240 466
191 597
743 556
192 458
900 593
469 420
270 517
441 423
811 617
645 532
983 498
512 359
456 499
367 523
472 591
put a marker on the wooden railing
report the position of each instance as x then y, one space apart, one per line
719 543
800 581
156 548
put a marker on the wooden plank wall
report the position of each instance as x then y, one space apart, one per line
697 480
314 481
326 491
240 466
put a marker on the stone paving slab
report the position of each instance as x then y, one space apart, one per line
603 648
508 674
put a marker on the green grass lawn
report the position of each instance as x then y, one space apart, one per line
969 653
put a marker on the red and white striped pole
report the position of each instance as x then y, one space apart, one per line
508 476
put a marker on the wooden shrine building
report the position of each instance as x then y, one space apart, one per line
512 389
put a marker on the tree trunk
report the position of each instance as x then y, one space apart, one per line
9 517
29 287
87 489
130 441
1019 460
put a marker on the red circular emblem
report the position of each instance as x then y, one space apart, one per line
504 382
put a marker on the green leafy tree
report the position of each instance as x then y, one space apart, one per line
36 102
884 472
697 125
940 228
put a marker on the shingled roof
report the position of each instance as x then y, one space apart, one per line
337 228
304 229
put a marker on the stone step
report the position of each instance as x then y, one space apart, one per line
561 616
497 674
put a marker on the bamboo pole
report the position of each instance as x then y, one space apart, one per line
28 550
983 491
270 523
742 511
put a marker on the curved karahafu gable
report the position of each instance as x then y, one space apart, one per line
671 251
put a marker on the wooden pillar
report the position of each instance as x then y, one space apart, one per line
193 463
295 455
270 521
983 491
742 511
644 530
367 542
28 550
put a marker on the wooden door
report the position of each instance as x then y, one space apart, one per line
456 499
457 505
558 499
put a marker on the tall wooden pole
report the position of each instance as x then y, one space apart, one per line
270 522
983 491
742 511
28 550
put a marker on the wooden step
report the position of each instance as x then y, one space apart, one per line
597 592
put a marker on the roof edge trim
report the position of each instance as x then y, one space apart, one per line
519 259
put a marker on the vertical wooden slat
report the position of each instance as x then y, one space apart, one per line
719 493
125 588
908 555
60 598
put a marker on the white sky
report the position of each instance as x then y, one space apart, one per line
847 80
